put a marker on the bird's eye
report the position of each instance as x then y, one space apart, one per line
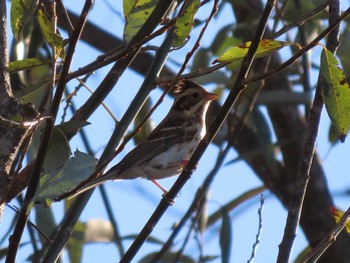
195 95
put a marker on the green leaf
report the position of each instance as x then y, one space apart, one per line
45 221
27 94
184 23
266 47
56 183
136 13
148 126
336 94
225 236
72 126
21 12
47 27
28 63
332 135
58 153
128 6
76 242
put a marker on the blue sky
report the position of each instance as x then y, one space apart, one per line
134 201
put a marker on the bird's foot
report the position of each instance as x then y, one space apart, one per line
168 200
165 192
184 164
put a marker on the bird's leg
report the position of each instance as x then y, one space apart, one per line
159 186
170 201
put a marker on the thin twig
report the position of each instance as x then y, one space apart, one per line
303 177
197 44
69 58
119 67
106 201
194 205
35 176
110 113
121 127
15 238
197 234
211 69
185 242
15 209
112 219
69 97
198 73
105 87
302 51
258 235
167 200
305 62
63 12
121 52
300 21
319 250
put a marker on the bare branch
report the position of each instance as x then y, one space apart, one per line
257 240
188 170
303 177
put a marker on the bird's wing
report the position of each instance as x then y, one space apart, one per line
144 151
160 139
148 149
169 132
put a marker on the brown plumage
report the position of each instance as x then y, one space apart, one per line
170 144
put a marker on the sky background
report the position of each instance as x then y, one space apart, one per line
134 201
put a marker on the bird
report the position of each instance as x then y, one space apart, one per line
167 149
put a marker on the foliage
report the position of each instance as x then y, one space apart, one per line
265 126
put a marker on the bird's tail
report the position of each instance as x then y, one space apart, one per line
86 185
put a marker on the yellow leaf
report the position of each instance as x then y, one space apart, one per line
338 214
266 47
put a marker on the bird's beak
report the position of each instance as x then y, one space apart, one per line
210 96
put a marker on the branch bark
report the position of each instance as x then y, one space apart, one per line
289 125
11 109
316 218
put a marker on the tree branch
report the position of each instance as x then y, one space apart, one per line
303 177
35 176
78 206
185 175
11 136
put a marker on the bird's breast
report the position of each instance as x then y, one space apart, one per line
171 161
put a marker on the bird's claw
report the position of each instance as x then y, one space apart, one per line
184 164
168 200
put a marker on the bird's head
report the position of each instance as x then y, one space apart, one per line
191 98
